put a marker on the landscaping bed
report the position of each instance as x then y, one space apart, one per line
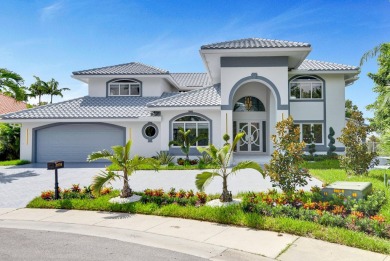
356 224
14 162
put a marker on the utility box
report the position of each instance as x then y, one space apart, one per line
356 190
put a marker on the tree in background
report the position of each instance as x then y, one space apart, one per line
381 107
11 84
38 88
53 89
9 141
349 108
284 168
357 158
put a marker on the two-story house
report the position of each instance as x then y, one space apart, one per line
248 86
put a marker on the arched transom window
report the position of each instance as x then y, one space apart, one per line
306 87
248 103
198 126
124 88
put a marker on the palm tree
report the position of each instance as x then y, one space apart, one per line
221 158
53 89
120 157
185 140
38 88
11 85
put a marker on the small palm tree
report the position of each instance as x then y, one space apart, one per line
53 89
185 140
221 158
120 157
38 88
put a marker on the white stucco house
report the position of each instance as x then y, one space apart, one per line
249 85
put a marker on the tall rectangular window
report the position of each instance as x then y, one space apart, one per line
311 130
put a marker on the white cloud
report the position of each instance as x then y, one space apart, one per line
50 11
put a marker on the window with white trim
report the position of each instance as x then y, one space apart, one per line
308 129
198 126
124 88
306 87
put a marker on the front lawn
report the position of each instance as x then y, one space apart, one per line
14 162
300 216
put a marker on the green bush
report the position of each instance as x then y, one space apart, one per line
164 157
9 141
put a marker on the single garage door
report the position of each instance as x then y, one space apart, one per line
74 142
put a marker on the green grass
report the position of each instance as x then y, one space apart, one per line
14 162
232 215
323 164
166 167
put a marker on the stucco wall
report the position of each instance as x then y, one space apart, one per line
307 110
150 86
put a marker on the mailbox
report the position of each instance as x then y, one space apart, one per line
56 164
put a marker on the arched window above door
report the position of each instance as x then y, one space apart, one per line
248 103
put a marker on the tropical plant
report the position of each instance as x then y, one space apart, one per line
221 158
120 156
53 90
357 159
38 88
186 139
284 168
164 157
11 85
9 141
332 147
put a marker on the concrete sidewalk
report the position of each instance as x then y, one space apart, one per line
204 239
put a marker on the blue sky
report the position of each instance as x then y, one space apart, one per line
50 39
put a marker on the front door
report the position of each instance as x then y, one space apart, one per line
251 141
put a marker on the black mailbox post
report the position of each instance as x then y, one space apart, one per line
56 164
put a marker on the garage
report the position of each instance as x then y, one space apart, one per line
73 142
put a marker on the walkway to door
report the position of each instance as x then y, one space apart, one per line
261 159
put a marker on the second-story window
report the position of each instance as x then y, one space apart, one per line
124 88
306 87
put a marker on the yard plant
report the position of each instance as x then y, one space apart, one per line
221 158
120 157
186 139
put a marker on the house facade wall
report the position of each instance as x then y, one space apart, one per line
151 87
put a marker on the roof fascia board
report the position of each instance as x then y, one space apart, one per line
324 72
53 120
173 108
255 50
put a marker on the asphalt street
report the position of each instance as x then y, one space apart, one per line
20 244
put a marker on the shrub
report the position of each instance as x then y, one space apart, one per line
332 147
9 141
164 157
47 195
76 188
357 159
284 168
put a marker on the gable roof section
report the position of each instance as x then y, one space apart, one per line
314 65
191 79
9 104
208 96
89 108
133 68
254 43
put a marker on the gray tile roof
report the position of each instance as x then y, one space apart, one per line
89 107
254 43
313 65
191 79
208 96
132 68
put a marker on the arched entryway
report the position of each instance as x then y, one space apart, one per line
253 113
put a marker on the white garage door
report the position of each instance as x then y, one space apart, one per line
74 142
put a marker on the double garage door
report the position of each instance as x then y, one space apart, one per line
74 142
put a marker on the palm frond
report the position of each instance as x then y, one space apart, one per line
101 179
370 54
204 178
104 154
248 164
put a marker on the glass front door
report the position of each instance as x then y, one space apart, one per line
251 141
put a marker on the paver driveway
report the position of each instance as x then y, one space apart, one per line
20 184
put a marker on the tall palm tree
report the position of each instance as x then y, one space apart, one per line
11 85
221 158
38 88
53 89
120 157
